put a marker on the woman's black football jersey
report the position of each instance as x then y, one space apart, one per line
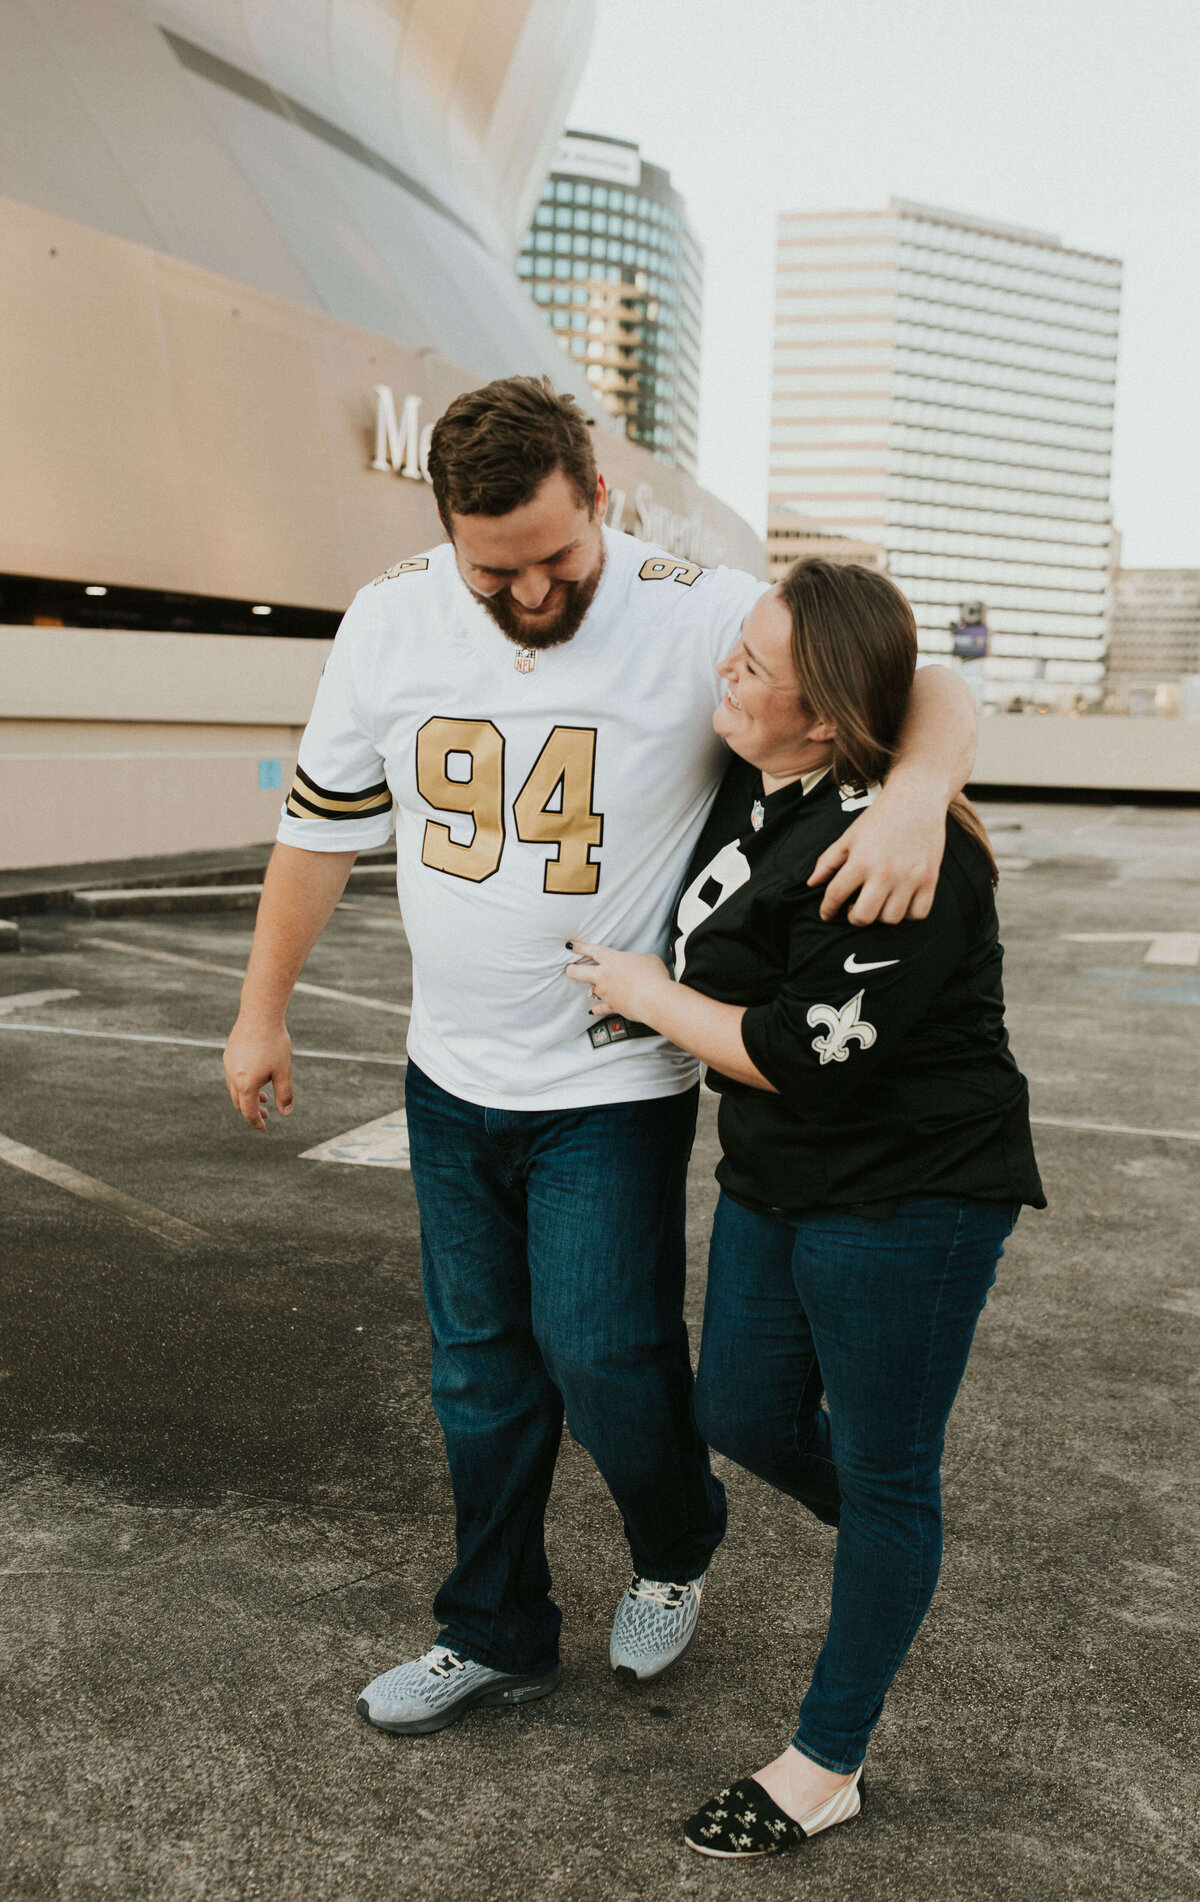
886 1043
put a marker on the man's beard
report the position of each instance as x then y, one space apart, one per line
578 596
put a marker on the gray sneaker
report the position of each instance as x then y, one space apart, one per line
428 1693
654 1627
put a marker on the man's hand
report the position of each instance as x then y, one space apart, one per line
254 1057
890 857
300 891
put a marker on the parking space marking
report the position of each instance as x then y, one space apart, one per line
1132 984
196 1043
168 1228
382 1144
228 970
1162 947
1117 1129
25 999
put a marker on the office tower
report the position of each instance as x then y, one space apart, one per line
1154 641
944 385
792 537
612 263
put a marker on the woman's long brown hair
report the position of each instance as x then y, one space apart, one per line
854 649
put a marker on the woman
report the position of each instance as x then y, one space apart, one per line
876 1152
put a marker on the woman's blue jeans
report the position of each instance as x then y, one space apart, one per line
878 1315
553 1251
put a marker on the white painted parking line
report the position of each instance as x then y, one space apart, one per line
229 970
168 1228
1163 947
24 1000
195 1043
1117 1129
382 1144
1005 864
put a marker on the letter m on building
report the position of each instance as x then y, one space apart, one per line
398 443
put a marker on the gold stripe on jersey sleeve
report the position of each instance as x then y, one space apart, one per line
307 800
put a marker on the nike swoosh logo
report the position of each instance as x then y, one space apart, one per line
854 967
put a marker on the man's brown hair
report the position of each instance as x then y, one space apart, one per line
493 448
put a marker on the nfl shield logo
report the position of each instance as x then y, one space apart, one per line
526 660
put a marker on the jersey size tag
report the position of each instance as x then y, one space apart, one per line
617 1030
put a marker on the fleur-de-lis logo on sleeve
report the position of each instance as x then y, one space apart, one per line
843 1027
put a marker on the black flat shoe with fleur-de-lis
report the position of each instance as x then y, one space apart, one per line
744 1821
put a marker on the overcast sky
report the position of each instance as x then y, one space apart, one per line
1079 117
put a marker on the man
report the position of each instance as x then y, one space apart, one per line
533 701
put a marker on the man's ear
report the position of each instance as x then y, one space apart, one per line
600 499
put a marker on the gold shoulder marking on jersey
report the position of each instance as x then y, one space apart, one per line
663 568
411 567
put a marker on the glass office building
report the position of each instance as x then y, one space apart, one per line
612 263
944 385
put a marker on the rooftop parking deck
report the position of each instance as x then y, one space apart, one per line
226 1504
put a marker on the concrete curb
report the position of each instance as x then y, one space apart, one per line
43 894
146 901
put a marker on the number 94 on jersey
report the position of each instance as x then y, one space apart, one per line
460 770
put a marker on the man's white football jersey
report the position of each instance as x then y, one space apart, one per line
535 798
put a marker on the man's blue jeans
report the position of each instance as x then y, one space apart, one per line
878 1314
552 1245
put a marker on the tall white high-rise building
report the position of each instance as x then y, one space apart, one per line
944 385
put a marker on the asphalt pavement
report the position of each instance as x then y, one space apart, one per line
226 1505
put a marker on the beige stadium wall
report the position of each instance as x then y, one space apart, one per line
1094 752
165 427
122 745
169 428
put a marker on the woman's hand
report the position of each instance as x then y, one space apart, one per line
622 982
